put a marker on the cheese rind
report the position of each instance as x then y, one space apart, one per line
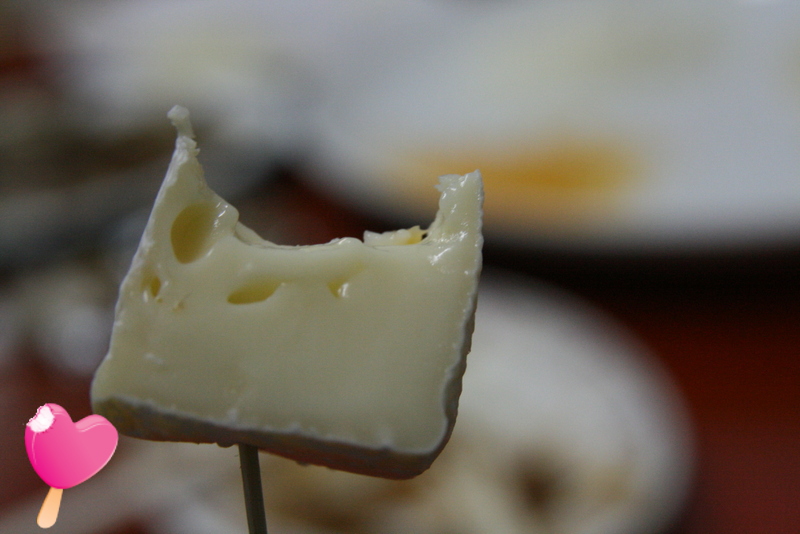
347 354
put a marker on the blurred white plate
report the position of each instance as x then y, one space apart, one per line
554 379
606 125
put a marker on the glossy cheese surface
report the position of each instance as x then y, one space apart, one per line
320 353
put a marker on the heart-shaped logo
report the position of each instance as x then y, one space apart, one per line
64 453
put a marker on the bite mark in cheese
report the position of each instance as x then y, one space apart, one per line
347 354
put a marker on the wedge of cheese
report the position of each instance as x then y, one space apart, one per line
347 354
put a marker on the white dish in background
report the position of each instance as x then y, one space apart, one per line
556 385
607 125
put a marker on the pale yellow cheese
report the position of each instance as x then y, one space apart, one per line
348 354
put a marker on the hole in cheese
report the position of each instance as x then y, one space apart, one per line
254 292
191 232
338 287
154 286
151 287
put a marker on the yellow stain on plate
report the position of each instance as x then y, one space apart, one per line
559 183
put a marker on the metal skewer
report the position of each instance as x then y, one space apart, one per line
253 495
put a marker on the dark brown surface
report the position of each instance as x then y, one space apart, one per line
737 360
